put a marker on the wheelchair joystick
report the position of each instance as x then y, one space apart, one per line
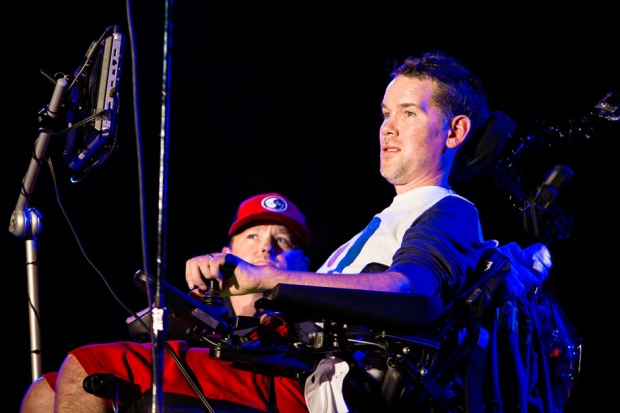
212 294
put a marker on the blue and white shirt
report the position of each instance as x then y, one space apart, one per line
430 234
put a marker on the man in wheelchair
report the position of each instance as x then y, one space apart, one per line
403 307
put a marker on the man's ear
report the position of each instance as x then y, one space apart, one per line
460 126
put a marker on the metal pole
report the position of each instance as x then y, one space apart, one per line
159 312
26 222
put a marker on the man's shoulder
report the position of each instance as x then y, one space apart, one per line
454 200
451 205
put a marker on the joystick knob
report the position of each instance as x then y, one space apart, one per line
212 294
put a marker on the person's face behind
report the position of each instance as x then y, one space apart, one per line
412 134
269 243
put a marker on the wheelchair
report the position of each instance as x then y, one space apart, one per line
483 350
467 353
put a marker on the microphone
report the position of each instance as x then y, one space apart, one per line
555 181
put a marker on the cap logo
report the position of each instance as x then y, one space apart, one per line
274 203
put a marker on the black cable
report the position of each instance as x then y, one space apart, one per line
79 243
167 347
103 113
145 263
90 55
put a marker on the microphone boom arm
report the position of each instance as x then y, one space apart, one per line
522 156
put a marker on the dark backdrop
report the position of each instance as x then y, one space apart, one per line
285 99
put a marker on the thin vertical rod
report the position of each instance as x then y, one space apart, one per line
159 315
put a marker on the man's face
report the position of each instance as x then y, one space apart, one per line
269 244
412 135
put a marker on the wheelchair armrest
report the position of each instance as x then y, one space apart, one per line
397 312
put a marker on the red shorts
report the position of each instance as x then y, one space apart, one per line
219 380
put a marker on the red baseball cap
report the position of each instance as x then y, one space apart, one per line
272 207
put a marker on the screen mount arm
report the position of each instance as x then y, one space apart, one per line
26 221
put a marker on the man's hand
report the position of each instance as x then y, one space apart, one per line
529 266
235 276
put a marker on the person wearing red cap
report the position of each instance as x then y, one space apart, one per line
259 214
267 229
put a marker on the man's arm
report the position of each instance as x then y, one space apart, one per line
439 249
238 277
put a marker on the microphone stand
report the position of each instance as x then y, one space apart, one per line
26 222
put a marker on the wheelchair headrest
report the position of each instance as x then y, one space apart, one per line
478 151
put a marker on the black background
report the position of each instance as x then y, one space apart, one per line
265 98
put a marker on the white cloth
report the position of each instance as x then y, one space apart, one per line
384 234
323 390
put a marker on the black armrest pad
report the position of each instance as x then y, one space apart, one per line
397 312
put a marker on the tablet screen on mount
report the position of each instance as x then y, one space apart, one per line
96 100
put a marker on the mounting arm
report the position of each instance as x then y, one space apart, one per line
26 222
